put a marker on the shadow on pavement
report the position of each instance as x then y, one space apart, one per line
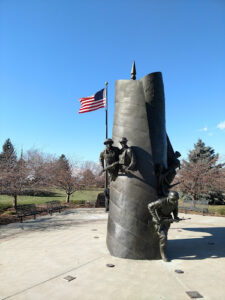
212 246
59 221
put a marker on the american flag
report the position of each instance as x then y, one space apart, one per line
94 102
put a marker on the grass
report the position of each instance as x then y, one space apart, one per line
77 197
217 210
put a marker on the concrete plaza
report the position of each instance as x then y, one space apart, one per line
37 255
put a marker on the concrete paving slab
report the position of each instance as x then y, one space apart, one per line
37 255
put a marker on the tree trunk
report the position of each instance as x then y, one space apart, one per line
193 200
68 198
15 201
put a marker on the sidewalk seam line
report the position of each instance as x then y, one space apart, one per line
54 277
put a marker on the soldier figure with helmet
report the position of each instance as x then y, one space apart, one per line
127 158
161 211
111 157
116 159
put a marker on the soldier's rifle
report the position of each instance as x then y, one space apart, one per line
172 185
169 220
164 221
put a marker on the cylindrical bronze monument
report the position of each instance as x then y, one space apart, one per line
140 117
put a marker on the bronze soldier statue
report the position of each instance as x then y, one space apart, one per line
127 158
107 196
162 187
173 164
166 176
109 159
161 211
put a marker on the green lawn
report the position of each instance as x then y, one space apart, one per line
217 210
84 195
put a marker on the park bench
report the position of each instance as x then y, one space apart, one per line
54 205
82 203
197 205
26 210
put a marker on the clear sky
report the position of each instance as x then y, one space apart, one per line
53 52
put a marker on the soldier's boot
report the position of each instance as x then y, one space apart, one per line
163 253
163 243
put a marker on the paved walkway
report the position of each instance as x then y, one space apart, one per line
37 255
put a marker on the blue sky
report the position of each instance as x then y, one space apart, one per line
53 52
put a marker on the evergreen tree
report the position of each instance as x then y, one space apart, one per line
201 173
63 163
202 153
8 157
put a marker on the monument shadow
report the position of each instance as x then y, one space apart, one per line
212 246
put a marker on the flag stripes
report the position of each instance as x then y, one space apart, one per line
94 102
87 108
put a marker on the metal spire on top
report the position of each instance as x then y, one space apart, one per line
133 71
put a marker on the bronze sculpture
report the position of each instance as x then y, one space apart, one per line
143 171
117 160
109 159
107 196
161 211
127 158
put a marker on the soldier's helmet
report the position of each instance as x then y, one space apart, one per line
123 140
108 141
177 154
173 195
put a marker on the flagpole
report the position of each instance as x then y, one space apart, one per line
106 110
106 136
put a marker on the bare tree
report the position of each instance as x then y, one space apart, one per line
100 180
14 179
64 178
34 169
41 168
90 174
88 178
201 173
201 177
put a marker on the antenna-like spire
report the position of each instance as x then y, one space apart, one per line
133 71
21 153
